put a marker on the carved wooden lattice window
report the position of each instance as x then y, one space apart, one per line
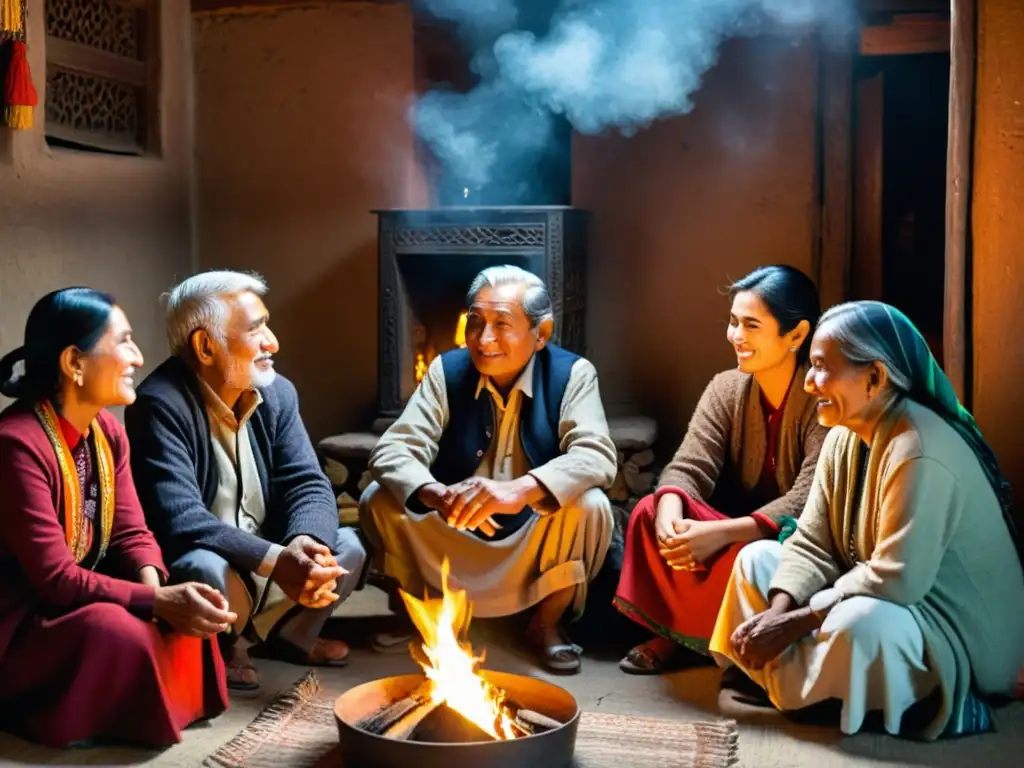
102 74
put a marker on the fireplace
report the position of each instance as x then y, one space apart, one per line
427 259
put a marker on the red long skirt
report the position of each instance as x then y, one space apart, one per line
100 673
679 605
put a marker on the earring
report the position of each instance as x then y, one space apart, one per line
793 349
78 379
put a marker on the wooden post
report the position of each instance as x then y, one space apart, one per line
955 328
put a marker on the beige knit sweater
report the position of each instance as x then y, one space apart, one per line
726 444
928 534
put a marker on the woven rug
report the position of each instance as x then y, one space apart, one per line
297 730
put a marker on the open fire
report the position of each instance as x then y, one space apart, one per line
451 666
455 701
424 356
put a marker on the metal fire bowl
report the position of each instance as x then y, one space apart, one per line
552 749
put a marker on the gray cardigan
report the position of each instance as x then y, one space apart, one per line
177 479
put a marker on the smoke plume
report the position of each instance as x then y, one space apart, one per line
600 64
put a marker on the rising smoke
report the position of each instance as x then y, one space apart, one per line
601 64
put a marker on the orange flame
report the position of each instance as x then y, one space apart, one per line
460 330
423 360
451 664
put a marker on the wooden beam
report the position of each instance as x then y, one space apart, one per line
835 94
92 61
906 35
904 6
955 329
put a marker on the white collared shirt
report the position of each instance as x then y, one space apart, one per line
239 499
504 458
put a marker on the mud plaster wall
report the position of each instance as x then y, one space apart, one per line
683 207
119 224
998 229
301 131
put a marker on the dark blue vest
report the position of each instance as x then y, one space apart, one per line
471 426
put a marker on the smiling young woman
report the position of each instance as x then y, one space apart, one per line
742 472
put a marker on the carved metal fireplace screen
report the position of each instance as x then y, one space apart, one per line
427 259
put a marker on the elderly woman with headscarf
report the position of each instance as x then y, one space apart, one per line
903 584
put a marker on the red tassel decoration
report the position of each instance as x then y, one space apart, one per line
20 97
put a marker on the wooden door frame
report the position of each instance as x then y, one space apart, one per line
956 327
866 269
835 168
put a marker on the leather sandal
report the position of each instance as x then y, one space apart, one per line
642 660
645 658
281 650
238 685
392 643
562 658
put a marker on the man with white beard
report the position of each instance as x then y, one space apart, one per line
231 484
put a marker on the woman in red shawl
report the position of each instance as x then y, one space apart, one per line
92 644
742 473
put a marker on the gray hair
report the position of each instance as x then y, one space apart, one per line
536 301
198 302
854 326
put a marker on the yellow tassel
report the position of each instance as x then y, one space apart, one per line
18 117
10 16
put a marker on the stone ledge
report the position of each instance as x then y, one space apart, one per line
350 445
629 433
380 425
633 433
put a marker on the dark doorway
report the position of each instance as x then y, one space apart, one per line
900 154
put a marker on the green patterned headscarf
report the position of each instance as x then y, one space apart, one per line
869 331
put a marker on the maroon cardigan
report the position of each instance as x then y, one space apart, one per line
37 570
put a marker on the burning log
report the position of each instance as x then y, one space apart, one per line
379 722
531 722
444 725
405 727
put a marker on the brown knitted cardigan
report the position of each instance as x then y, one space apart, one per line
726 443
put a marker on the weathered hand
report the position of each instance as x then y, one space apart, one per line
193 609
476 499
763 637
435 496
298 573
738 639
320 595
695 542
439 497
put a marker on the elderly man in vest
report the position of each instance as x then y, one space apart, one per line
230 481
497 464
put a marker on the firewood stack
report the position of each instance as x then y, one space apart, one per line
344 459
634 438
